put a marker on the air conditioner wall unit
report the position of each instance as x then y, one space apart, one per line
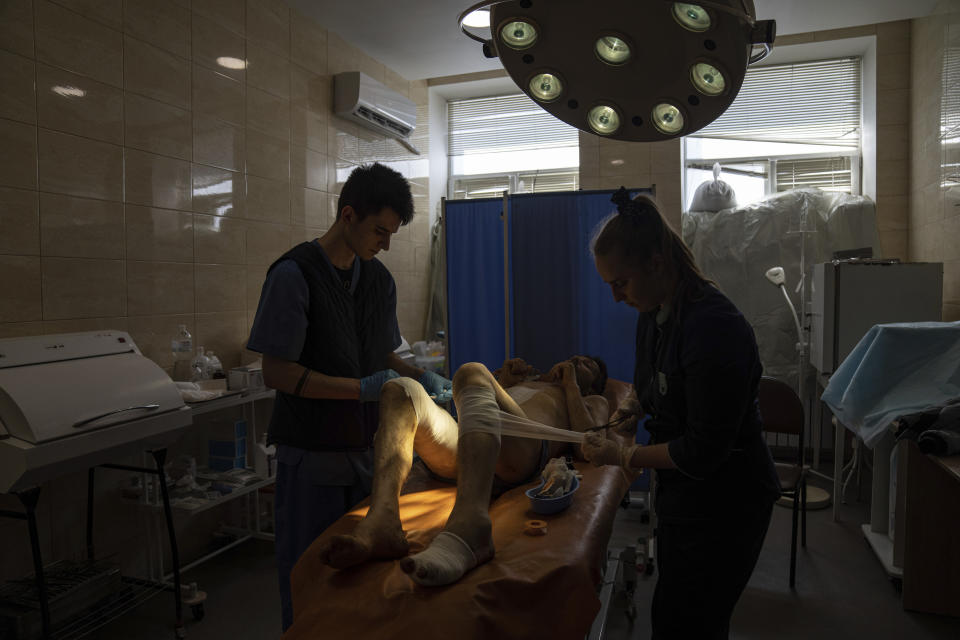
358 97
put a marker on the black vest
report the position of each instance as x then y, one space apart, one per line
348 335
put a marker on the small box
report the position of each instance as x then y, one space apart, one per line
249 378
227 448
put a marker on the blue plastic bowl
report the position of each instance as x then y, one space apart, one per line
547 506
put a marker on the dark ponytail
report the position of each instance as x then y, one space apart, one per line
638 231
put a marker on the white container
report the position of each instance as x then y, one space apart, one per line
249 378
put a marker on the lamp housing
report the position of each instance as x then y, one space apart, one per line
657 68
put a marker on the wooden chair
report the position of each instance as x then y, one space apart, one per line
782 412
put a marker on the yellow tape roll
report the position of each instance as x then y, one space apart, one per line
535 527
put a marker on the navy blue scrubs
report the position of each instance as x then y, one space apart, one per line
697 373
314 487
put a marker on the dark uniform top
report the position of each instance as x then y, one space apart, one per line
697 372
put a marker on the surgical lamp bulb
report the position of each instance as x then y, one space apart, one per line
612 50
518 34
667 118
691 16
603 119
707 79
545 87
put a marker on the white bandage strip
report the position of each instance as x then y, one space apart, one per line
477 410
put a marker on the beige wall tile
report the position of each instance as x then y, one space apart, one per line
152 335
218 143
268 70
893 107
154 73
80 227
156 181
342 141
309 208
18 162
20 288
893 213
66 39
79 105
218 96
85 324
268 114
266 242
268 156
20 221
268 200
310 91
158 234
268 24
162 24
155 288
893 72
893 244
231 14
18 99
341 55
157 127
892 178
310 128
218 192
223 333
18 329
81 288
107 12
220 240
80 166
16 26
893 143
308 168
212 41
221 287
308 43
256 275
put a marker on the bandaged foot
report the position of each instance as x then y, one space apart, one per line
444 562
372 540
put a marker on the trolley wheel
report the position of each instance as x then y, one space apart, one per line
631 612
197 611
180 632
649 568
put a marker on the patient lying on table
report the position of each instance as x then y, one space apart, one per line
483 462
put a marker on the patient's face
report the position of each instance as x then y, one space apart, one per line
641 287
587 372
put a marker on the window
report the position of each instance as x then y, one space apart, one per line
791 126
509 143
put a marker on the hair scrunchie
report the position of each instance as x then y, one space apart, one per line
625 204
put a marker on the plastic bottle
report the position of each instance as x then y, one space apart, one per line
200 366
182 347
214 367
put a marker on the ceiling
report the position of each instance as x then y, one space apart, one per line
419 38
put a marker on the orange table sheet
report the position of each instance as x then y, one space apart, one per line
535 587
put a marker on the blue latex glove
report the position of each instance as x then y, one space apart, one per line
370 386
438 387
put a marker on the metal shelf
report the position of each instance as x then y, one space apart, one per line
210 504
199 408
134 593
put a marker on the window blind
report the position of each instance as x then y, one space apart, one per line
504 123
828 174
807 102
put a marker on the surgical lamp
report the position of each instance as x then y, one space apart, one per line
817 498
629 70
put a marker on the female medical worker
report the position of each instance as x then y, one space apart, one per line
696 376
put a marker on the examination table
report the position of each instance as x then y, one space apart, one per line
535 587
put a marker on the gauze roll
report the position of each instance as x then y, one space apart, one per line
477 410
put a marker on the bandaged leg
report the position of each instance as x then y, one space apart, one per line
406 412
450 556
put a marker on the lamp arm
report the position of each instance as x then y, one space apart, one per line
796 319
